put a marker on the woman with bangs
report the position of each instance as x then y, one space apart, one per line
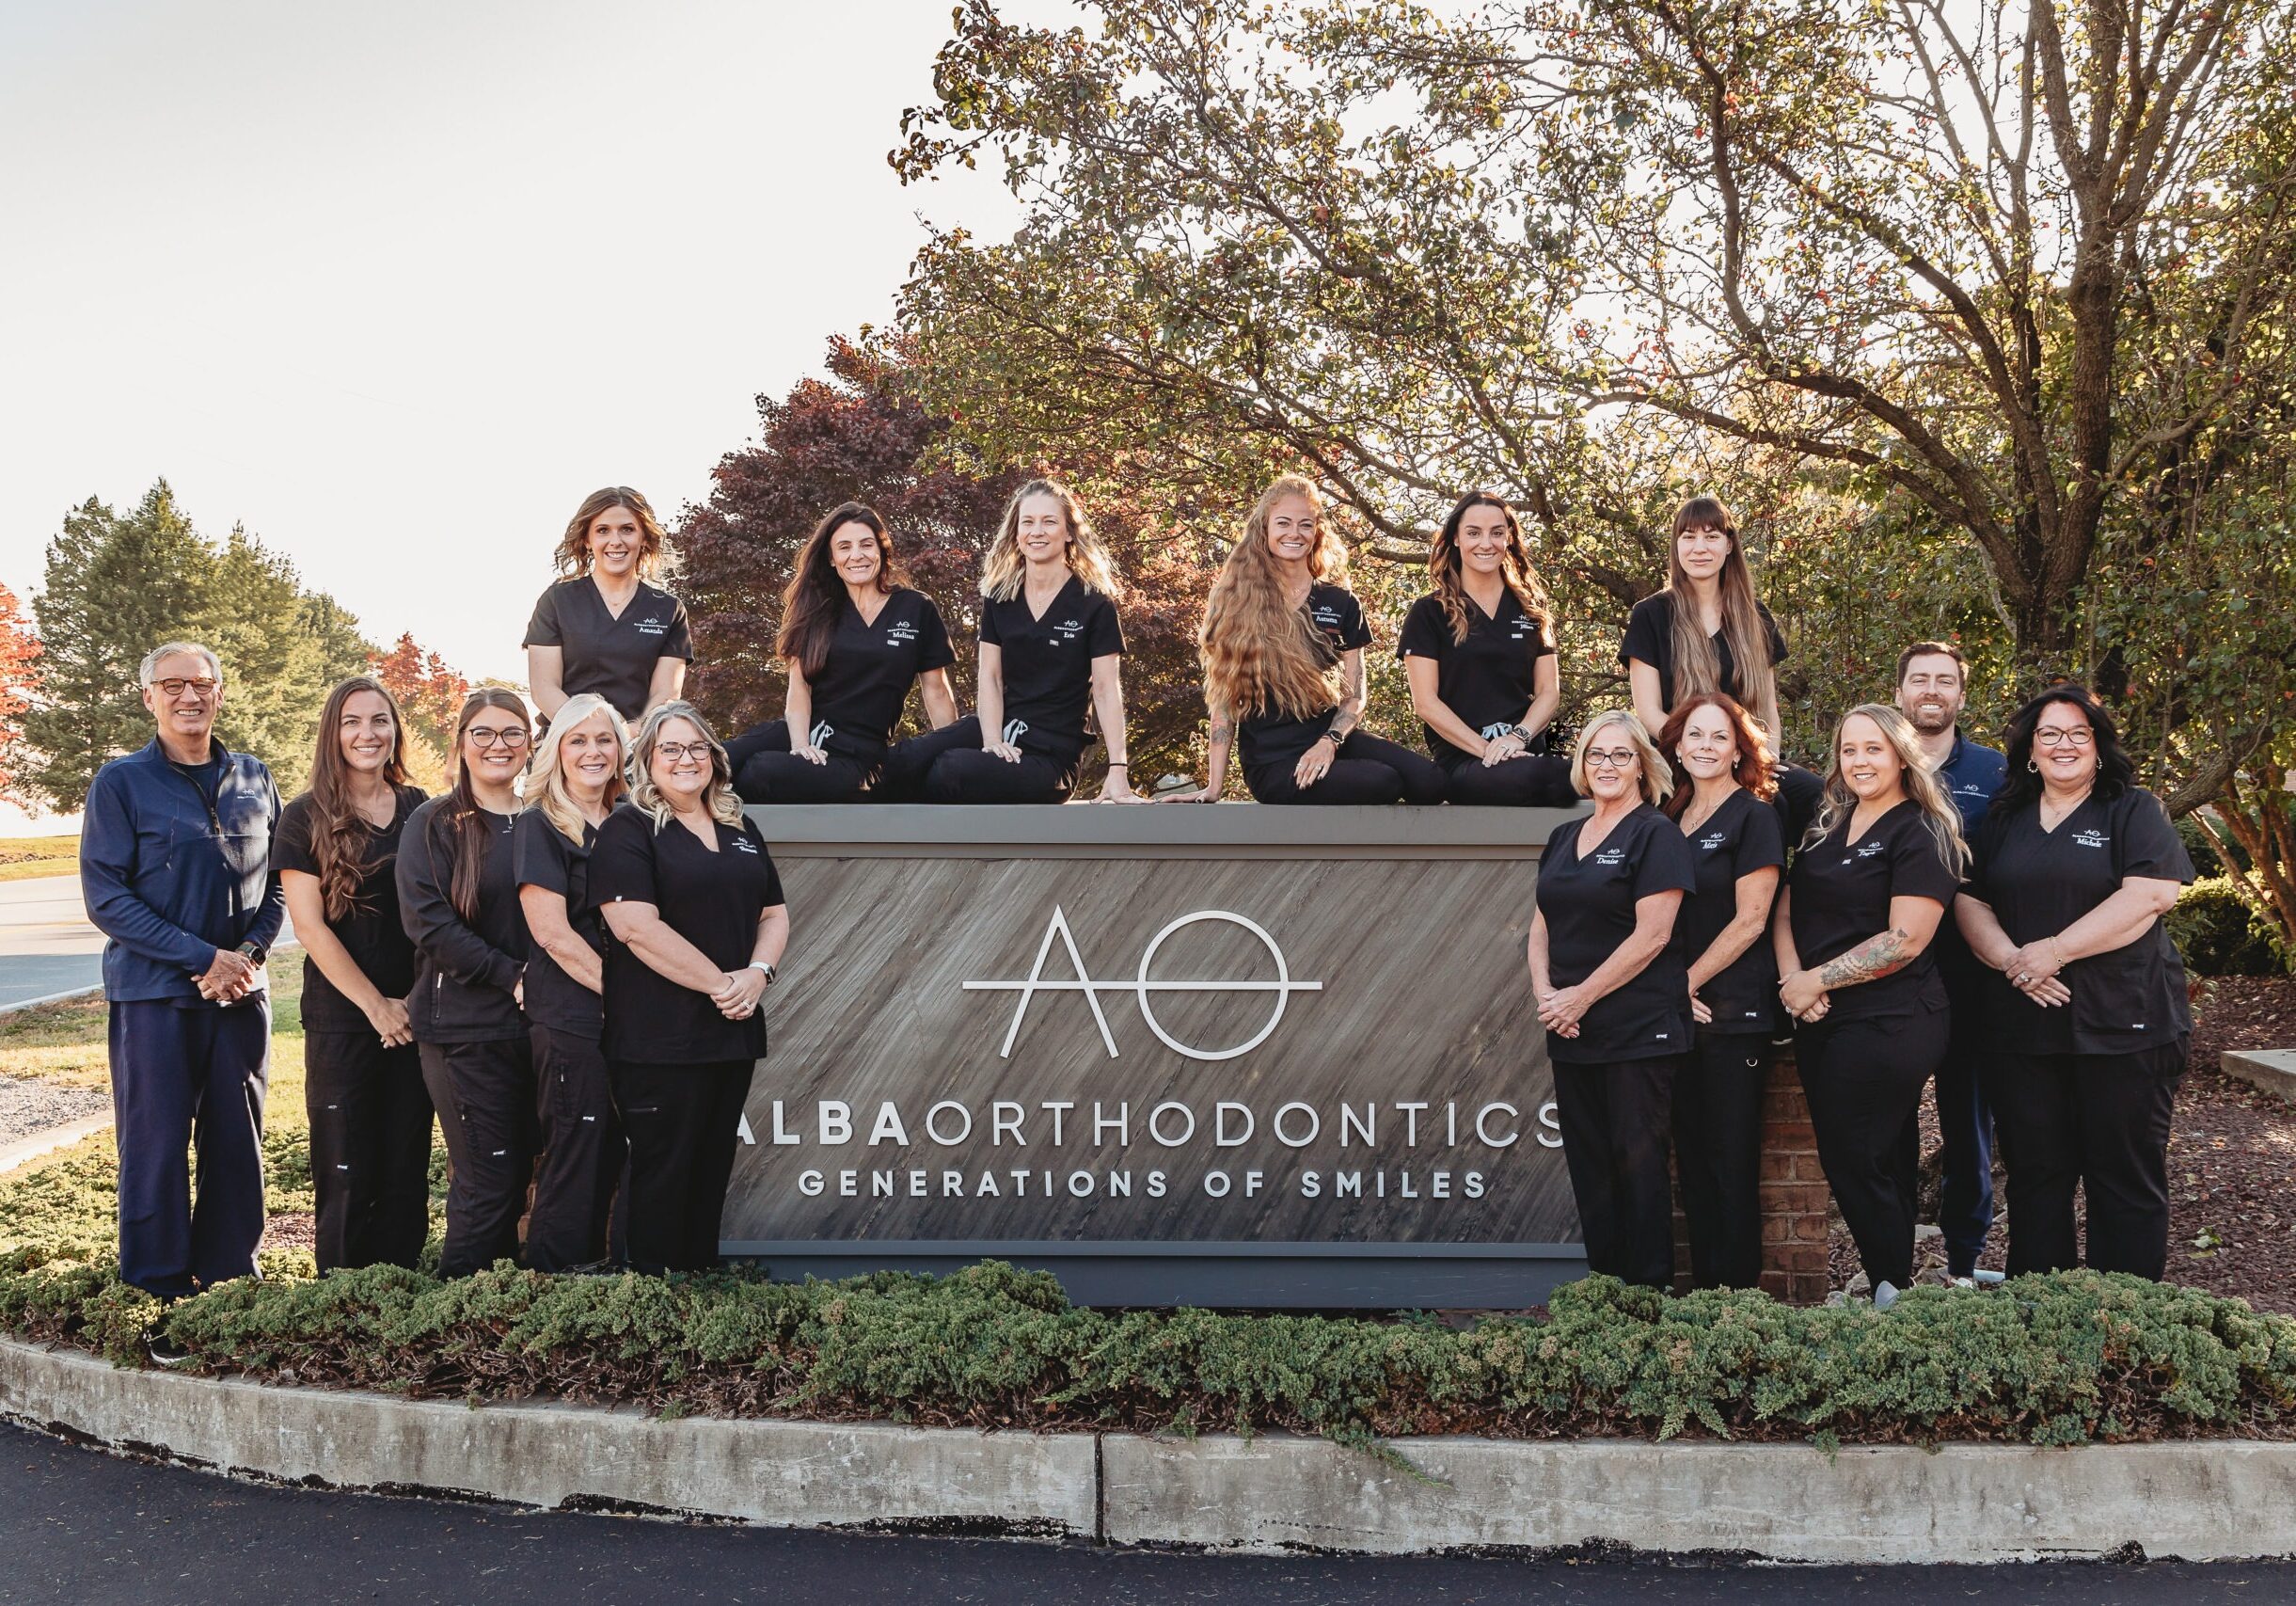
1282 648
1722 789
1855 933
335 849
854 642
697 926
1050 646
609 628
1707 631
572 785
1479 652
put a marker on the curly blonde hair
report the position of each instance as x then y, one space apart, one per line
574 547
1088 561
1257 650
719 800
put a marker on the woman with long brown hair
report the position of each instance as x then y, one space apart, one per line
609 626
1282 648
1479 652
854 641
458 898
571 786
1722 788
1050 646
335 849
1708 631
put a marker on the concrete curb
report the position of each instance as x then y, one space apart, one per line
64 997
2205 1499
2270 1069
50 1140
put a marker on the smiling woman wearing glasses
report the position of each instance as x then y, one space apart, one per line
458 898
698 924
1614 994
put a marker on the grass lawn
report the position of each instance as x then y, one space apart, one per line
22 857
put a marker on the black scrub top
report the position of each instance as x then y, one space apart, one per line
1488 681
1741 837
612 657
1048 665
859 694
1267 734
541 856
371 932
1650 637
1590 909
714 901
1842 890
2038 881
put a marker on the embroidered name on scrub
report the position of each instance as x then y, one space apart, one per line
2090 837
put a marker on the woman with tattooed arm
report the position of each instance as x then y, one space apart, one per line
1853 931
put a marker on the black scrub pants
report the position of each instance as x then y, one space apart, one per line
1368 769
683 1123
371 1148
2099 1121
485 1096
582 1153
185 1078
1614 1136
950 766
1965 1118
766 772
1717 1155
1865 1079
1535 780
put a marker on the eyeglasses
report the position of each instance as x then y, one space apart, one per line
1614 759
2081 737
678 752
204 686
513 738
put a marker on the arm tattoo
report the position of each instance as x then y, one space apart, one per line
1878 956
1221 730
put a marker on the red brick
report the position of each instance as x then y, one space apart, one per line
1775 1229
1776 1168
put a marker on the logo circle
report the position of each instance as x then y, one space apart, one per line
1281 986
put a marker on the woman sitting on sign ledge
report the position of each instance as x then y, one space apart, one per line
854 642
1282 647
1050 646
606 627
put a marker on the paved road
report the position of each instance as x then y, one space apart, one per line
46 944
83 1527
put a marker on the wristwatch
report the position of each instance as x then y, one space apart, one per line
252 954
765 966
1525 736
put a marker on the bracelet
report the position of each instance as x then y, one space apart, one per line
1119 764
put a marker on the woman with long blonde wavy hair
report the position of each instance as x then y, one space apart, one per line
1282 648
1050 646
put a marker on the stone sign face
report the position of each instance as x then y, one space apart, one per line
1220 1055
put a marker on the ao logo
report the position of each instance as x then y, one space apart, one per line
1283 986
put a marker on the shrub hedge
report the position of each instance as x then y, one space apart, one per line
2220 935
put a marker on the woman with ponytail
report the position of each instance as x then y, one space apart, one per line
854 641
1282 647
458 898
1479 652
370 1113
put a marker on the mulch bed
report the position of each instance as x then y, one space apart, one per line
2231 1160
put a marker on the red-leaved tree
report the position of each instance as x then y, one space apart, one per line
19 678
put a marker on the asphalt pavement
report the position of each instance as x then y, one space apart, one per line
47 946
81 1526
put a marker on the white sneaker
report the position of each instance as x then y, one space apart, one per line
1989 1279
1885 1295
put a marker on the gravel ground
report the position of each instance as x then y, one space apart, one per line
30 1105
2231 1161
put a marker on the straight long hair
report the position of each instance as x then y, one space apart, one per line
815 594
339 831
1257 650
1697 666
2116 774
1752 770
1005 569
719 800
459 828
545 779
574 547
1445 567
1938 811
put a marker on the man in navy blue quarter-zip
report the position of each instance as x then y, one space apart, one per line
175 864
1931 690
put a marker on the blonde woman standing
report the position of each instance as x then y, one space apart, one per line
571 786
698 925
1855 931
1049 648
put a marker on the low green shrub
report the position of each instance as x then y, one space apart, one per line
2220 935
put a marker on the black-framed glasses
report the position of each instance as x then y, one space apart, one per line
1610 758
173 687
678 752
2081 737
514 738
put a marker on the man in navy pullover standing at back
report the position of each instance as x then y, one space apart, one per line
175 864
1931 689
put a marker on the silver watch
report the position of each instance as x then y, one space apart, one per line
765 965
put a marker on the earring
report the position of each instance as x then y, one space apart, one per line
2033 766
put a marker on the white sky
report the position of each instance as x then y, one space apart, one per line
396 286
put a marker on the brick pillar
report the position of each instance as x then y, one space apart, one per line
1795 1201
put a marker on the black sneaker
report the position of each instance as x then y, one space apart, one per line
165 1351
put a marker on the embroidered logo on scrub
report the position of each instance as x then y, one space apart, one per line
900 634
650 625
1611 856
2089 836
